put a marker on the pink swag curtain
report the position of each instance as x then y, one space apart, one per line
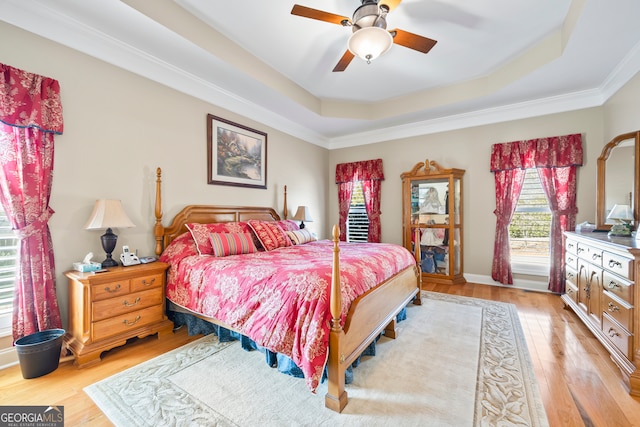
30 116
370 173
556 159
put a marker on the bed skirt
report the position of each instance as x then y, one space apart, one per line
197 326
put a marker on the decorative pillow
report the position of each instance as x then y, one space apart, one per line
225 244
201 233
181 247
270 234
298 237
288 225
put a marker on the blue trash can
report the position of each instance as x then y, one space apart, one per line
39 353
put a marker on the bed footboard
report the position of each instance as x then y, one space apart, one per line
369 315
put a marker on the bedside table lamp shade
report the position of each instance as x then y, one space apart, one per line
108 214
302 215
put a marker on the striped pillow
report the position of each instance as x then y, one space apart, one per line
225 244
298 237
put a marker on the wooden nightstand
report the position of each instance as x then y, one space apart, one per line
106 309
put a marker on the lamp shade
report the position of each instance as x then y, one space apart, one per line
620 212
302 214
108 214
370 42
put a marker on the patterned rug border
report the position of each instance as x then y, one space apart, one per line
503 354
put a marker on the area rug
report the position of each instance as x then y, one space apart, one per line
458 361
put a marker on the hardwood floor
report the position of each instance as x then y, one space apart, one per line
579 383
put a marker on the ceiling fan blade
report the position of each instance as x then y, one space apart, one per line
391 4
412 41
344 61
308 12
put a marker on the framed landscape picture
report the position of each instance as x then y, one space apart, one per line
236 154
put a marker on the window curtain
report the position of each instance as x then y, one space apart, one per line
30 116
370 173
556 159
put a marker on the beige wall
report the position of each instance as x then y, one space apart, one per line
120 127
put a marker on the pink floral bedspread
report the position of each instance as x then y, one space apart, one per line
280 298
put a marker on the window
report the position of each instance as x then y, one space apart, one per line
357 220
8 261
530 229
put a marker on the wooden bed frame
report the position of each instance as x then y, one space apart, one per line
369 315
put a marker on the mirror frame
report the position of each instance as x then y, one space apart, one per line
601 175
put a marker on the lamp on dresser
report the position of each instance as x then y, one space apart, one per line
623 217
108 214
302 215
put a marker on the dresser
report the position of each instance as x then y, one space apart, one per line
106 309
600 287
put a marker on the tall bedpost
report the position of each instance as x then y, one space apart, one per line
336 397
158 229
286 213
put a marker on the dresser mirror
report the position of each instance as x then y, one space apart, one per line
618 178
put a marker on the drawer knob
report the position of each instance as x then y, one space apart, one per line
580 250
614 264
596 256
570 260
570 275
613 333
126 322
144 282
116 289
127 304
612 285
613 308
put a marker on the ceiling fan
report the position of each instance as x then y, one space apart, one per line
370 37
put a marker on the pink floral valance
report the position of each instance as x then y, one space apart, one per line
557 151
29 100
359 171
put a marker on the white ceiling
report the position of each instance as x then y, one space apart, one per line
495 60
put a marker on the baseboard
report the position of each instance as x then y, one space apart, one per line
8 357
529 285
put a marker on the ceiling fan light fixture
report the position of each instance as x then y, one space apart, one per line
369 43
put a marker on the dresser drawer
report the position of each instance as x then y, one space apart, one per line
590 253
126 303
572 291
571 246
126 322
146 282
109 290
571 260
618 264
619 336
618 286
617 309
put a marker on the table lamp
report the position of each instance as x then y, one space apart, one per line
302 215
623 217
108 214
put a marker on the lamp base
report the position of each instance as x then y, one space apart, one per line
623 230
301 225
108 245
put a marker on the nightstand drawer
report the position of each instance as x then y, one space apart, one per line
125 304
126 322
109 290
619 336
146 282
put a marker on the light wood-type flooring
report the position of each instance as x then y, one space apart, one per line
579 383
